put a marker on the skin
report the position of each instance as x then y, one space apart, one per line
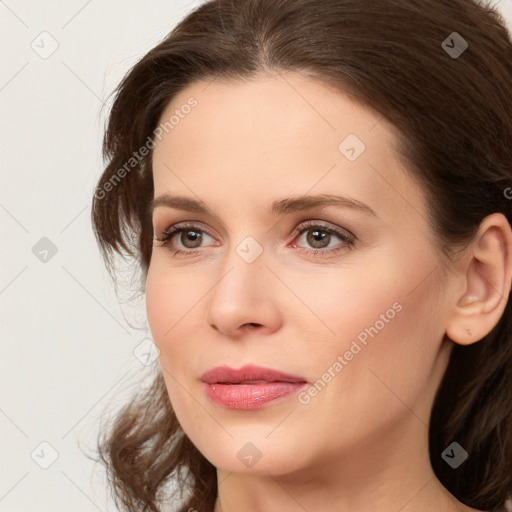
362 442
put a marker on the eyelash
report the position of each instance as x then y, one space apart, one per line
347 239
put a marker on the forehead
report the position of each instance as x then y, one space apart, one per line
290 132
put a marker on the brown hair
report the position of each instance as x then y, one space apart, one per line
454 113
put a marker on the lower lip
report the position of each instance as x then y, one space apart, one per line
250 396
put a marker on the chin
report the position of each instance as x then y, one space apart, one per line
252 452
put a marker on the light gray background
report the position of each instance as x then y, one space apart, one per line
67 352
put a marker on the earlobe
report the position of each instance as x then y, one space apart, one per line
487 274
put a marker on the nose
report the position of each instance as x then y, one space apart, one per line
244 298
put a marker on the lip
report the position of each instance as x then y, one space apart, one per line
249 387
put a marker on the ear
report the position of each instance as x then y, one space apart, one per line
486 274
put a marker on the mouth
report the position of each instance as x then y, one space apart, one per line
249 387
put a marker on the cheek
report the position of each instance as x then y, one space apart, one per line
169 307
374 333
159 304
170 300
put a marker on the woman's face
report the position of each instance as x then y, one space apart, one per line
305 250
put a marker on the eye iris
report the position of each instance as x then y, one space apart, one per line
317 238
191 236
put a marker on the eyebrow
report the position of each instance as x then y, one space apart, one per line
281 206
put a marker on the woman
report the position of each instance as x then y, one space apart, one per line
317 194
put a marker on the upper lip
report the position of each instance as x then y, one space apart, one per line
248 374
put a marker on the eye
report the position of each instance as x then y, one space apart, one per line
190 238
320 236
187 238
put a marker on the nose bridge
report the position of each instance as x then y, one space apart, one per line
243 273
242 295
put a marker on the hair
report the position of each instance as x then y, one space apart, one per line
454 119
